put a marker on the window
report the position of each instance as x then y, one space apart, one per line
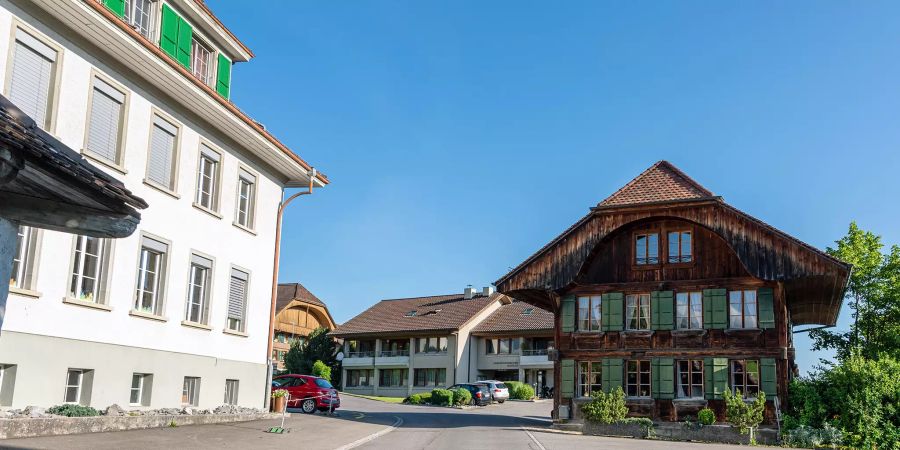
589 378
198 290
506 346
742 309
246 199
201 61
106 122
527 311
162 154
140 14
74 379
237 300
395 347
231 392
589 313
140 389
392 377
680 247
690 379
31 78
208 179
646 248
7 383
280 337
431 345
689 310
536 346
360 349
638 379
280 355
410 314
430 377
637 311
22 275
190 393
89 269
360 377
745 377
148 297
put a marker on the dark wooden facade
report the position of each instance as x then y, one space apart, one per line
730 251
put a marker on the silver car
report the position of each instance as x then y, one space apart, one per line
499 391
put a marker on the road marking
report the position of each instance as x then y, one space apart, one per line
358 415
537 442
376 435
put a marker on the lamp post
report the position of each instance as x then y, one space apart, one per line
281 207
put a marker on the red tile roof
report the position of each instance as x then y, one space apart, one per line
511 318
434 313
662 182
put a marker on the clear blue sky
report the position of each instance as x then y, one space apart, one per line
462 136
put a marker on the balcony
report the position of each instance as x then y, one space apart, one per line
392 358
359 359
535 358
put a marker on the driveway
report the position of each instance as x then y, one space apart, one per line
369 424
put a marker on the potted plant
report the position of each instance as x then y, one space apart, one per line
279 400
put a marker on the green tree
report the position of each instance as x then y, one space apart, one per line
873 293
319 346
321 370
746 416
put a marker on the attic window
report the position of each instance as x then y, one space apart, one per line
527 311
432 312
410 314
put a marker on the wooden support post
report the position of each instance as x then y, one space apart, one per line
9 234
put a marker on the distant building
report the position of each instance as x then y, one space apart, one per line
297 313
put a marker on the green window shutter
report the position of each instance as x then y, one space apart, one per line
715 308
168 31
116 6
185 37
611 311
568 314
662 373
716 377
661 306
765 298
611 378
768 383
568 378
223 77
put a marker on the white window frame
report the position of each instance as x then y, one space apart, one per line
141 389
232 390
204 262
118 93
637 304
250 179
132 10
76 272
161 247
26 258
199 43
692 311
208 156
78 387
191 391
241 324
25 34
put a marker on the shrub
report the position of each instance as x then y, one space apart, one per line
442 397
321 370
809 437
606 408
706 416
746 416
512 386
461 396
522 392
644 422
418 399
70 410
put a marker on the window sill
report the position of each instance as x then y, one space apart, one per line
93 157
24 292
162 189
638 332
249 230
697 401
199 326
235 333
76 302
146 315
207 210
689 332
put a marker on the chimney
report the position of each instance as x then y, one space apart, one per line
470 292
487 291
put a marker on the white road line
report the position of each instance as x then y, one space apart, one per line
374 436
537 442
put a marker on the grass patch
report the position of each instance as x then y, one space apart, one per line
380 399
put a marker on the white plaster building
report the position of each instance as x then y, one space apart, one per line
178 313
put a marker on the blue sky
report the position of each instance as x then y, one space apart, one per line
462 136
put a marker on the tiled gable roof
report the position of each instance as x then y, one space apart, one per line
511 317
662 182
434 313
288 292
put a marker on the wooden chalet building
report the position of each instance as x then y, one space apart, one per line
674 295
298 313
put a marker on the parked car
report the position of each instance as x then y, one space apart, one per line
481 396
499 391
308 393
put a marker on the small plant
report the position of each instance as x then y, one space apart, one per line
606 408
321 370
70 410
278 393
744 415
706 416
461 396
442 397
172 424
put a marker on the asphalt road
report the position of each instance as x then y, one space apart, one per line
368 424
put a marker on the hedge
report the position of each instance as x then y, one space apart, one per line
442 397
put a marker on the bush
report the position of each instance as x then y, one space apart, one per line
442 397
418 399
70 410
706 416
743 415
512 386
606 408
522 392
461 396
808 437
321 370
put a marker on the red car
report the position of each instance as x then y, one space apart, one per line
308 393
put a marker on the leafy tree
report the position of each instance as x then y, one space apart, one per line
321 370
317 347
874 297
744 415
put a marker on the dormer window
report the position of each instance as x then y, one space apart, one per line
139 14
646 248
201 61
410 314
527 311
680 250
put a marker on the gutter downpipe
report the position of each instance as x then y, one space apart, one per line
270 363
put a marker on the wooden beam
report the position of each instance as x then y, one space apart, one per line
58 216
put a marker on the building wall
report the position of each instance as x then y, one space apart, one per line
170 216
